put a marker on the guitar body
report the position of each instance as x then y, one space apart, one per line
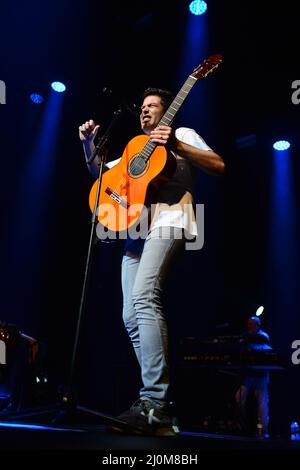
124 187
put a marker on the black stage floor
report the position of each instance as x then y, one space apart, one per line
25 438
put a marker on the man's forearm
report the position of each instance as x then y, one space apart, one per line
206 160
88 150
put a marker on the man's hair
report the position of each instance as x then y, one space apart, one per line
165 96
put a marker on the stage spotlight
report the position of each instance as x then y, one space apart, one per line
281 145
59 87
198 7
259 311
36 98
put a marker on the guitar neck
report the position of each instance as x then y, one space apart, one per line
174 107
169 115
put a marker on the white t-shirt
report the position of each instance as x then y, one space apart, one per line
174 207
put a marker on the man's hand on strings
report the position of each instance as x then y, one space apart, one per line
164 135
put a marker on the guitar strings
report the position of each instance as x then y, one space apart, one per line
138 164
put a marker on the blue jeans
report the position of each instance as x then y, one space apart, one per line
143 278
259 385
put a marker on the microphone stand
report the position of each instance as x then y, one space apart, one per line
68 404
68 397
97 152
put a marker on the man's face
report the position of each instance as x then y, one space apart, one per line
151 113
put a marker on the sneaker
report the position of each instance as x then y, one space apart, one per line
145 417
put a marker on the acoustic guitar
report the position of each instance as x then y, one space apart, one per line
124 187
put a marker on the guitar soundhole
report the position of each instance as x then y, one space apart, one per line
137 166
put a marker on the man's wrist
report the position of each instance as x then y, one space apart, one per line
87 143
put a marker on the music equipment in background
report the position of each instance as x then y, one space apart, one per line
209 372
124 187
22 375
229 352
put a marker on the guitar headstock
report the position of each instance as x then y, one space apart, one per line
207 66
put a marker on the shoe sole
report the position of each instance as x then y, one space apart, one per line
131 430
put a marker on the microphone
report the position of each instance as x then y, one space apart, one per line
107 91
130 107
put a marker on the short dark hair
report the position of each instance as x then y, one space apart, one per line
256 319
165 96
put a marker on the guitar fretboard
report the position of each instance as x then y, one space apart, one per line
169 115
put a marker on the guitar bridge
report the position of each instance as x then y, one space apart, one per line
117 198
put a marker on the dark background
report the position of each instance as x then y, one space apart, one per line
126 48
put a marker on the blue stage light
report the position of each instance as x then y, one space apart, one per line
198 7
281 145
58 86
36 98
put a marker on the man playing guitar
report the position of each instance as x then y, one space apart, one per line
146 263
